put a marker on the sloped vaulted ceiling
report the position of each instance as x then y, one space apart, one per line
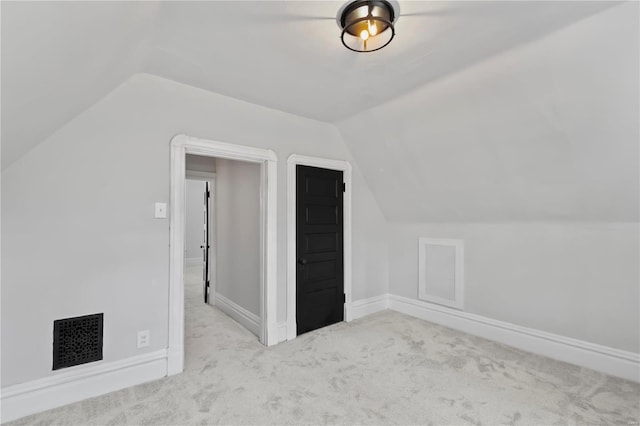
548 131
476 111
59 58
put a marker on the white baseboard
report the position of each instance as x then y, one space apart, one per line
175 360
193 261
282 332
248 319
364 307
354 310
291 328
80 383
597 357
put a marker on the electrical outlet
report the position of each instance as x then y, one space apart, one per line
144 338
161 211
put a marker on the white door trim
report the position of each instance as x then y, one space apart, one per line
180 146
196 175
345 167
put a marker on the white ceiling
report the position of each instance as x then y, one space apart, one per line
58 58
546 132
288 55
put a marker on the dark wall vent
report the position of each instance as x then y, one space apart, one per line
77 340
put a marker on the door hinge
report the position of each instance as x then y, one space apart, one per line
208 194
344 187
344 298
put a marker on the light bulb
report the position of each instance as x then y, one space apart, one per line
373 29
364 34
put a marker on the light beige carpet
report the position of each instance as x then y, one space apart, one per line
387 368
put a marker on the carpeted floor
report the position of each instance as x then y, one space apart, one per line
387 368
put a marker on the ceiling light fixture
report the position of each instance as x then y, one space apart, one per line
367 25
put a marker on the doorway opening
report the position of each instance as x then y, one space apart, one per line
222 238
200 226
264 163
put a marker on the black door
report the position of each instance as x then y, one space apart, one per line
319 242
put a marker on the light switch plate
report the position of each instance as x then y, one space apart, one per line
161 210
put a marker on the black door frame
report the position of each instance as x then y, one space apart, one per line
340 165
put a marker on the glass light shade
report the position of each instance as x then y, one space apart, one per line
367 25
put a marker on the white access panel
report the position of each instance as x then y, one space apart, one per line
441 271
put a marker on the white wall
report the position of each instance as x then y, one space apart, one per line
578 280
97 245
194 220
238 233
531 157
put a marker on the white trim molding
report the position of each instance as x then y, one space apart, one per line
282 332
344 166
80 383
608 360
181 145
458 273
601 358
364 307
197 175
246 318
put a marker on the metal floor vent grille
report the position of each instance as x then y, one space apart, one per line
77 340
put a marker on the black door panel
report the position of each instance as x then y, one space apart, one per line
321 243
321 215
